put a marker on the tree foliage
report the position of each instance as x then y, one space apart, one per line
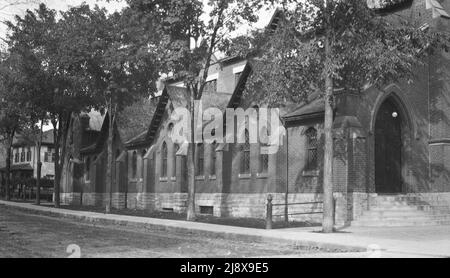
14 107
367 49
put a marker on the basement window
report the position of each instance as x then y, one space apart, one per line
167 209
207 210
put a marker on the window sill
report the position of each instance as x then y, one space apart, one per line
245 176
314 173
173 179
262 175
200 178
214 177
163 179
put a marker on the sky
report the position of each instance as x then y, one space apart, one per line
7 11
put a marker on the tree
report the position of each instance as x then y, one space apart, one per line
115 58
190 37
53 80
320 46
13 108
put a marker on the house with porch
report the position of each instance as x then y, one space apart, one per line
24 157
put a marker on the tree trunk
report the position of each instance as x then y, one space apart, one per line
56 165
109 162
191 216
60 135
8 167
65 159
328 207
39 165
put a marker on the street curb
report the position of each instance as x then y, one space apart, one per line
181 227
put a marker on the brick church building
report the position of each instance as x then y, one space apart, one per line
392 147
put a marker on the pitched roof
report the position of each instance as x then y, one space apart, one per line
386 4
178 97
235 99
138 140
135 119
23 140
101 138
312 109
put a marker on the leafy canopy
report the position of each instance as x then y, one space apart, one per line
365 48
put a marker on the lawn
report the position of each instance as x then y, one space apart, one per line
238 222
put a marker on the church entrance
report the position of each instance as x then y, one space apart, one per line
388 149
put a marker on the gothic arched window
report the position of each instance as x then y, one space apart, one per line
176 148
213 158
143 154
200 160
245 155
134 165
312 145
263 162
164 160
88 168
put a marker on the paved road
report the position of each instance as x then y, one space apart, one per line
28 235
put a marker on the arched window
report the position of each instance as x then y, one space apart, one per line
143 154
134 165
263 162
213 158
200 160
312 145
263 155
245 155
29 154
88 168
176 148
164 160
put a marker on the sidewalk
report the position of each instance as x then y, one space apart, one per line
394 242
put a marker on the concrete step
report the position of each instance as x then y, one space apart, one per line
405 198
404 210
395 213
406 203
396 223
394 208
401 218
426 208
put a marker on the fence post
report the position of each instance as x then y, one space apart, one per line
269 213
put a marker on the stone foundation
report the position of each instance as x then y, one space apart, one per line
94 199
118 200
220 205
348 207
70 198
